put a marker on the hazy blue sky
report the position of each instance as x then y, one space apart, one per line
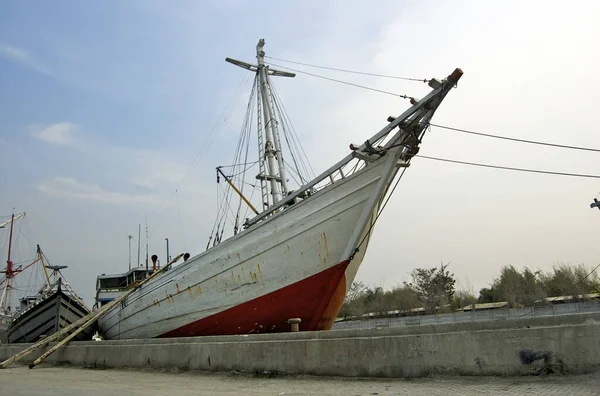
105 104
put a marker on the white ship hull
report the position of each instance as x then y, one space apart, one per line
288 266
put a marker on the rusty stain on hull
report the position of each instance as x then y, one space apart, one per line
259 271
325 242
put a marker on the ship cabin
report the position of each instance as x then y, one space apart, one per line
26 302
109 287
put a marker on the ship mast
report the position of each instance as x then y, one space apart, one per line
276 174
9 273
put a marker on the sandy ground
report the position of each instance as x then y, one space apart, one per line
70 381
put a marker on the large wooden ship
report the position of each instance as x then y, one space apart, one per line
297 257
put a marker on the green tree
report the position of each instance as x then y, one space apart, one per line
354 301
433 286
356 291
571 281
404 299
462 298
489 295
517 288
375 301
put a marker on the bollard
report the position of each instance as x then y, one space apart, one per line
295 323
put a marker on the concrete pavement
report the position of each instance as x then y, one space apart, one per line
74 381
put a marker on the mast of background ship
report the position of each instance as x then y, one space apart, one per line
5 300
273 144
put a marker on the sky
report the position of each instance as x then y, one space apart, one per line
116 113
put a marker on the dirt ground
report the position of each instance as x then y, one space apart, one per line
71 381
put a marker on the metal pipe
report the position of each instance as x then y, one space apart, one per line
168 256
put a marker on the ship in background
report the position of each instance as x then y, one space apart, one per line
42 312
299 253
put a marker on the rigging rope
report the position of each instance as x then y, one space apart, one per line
510 168
234 165
243 146
212 134
214 131
515 139
294 172
424 80
287 140
254 188
252 165
345 82
296 145
238 167
379 212
180 223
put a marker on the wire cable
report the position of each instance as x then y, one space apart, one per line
424 80
510 168
515 139
368 233
212 134
344 82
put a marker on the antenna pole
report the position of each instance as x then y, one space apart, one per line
130 238
168 257
139 238
146 243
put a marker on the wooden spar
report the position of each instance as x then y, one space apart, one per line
237 191
21 269
81 325
68 338
40 257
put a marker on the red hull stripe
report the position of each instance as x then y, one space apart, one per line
313 300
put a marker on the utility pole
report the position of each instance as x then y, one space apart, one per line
130 238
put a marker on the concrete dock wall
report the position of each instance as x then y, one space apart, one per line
491 348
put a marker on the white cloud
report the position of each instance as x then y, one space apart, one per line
61 134
130 168
21 56
66 187
147 168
